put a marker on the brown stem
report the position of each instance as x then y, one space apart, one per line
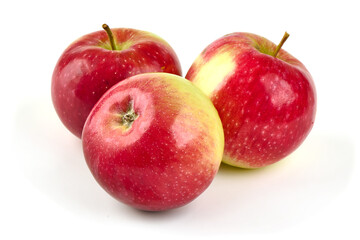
110 35
278 47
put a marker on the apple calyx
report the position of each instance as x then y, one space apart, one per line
110 35
128 117
278 47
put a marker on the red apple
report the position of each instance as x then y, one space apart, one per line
154 141
266 98
97 61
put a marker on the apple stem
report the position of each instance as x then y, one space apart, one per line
278 47
110 35
129 117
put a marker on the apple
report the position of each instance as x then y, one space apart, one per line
97 61
265 97
153 141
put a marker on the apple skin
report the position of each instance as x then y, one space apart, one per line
168 155
267 105
88 68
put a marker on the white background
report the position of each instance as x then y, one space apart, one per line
47 191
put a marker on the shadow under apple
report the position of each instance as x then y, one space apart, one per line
238 200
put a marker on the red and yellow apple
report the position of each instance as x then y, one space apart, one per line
97 61
265 97
154 141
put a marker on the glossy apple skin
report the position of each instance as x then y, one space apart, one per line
88 68
267 105
172 150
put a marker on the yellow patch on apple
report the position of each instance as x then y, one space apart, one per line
212 73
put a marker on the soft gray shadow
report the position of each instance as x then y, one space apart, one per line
269 199
281 195
238 201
